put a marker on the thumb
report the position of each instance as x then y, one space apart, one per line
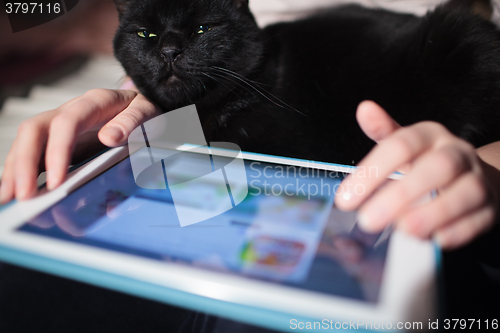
117 130
375 122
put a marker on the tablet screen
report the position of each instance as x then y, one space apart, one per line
285 230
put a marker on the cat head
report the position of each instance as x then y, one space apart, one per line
172 48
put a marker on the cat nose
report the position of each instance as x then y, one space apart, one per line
169 53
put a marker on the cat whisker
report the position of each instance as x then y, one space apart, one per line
277 101
241 76
225 85
237 83
184 89
202 84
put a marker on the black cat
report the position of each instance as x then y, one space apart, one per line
292 88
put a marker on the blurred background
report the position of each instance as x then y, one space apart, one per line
47 65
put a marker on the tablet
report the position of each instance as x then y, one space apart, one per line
254 238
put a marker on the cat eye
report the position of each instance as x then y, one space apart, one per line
204 28
145 34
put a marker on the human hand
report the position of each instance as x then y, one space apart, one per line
108 116
432 158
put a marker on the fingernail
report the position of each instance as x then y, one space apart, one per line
3 193
21 189
372 219
346 195
113 133
364 222
51 180
345 202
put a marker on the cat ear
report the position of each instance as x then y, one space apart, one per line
241 3
121 5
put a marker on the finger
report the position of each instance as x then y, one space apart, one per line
378 125
433 170
8 183
90 111
465 229
116 132
32 136
22 167
464 196
401 148
375 121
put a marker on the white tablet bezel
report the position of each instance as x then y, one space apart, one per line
407 293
